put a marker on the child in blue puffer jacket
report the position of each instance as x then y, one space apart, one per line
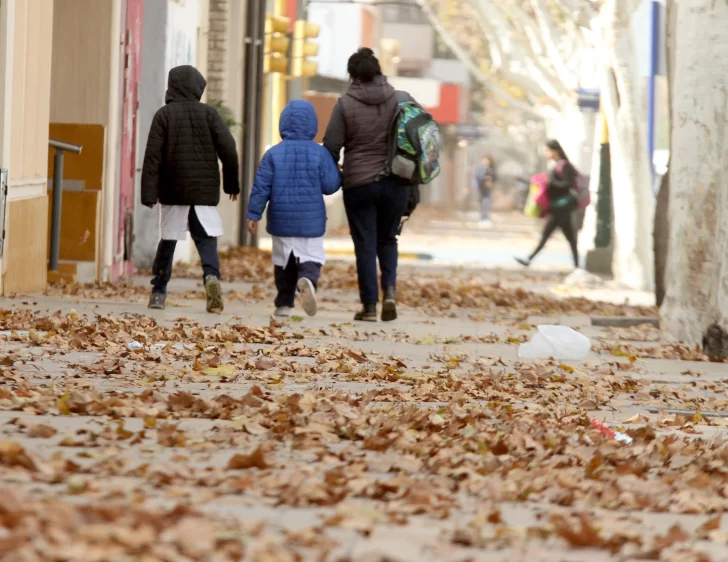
292 180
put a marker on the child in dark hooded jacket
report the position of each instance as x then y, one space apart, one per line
292 180
182 174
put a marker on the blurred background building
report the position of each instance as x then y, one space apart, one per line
91 74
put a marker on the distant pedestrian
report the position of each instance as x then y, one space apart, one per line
292 180
181 172
375 200
483 180
562 195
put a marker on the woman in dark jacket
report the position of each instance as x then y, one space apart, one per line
562 198
375 201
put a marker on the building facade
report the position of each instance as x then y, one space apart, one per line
175 33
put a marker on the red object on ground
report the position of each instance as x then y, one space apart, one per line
609 432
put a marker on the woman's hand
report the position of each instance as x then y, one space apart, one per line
252 226
233 198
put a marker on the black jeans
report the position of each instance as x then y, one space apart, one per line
206 247
287 279
374 212
564 220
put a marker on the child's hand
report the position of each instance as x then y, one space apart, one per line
233 198
252 226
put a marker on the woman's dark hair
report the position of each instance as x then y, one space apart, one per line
556 146
363 65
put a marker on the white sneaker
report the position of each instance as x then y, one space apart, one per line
308 296
283 312
486 224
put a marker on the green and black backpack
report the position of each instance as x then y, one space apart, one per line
414 148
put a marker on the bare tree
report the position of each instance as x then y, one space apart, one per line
695 309
622 95
528 53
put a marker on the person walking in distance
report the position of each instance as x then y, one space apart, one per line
483 179
562 197
181 172
292 180
375 200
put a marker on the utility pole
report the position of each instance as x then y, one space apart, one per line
651 86
254 46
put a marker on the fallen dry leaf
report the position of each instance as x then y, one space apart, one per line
256 459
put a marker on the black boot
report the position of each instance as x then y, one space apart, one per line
389 305
368 313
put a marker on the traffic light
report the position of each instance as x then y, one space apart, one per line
276 43
302 49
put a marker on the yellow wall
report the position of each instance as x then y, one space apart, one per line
85 110
31 36
31 89
26 246
81 69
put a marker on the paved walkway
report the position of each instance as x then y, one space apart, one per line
321 439
462 242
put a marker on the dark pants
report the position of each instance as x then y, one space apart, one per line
374 212
287 279
564 221
206 247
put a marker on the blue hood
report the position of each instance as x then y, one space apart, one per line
299 121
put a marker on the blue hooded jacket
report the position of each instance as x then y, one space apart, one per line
294 176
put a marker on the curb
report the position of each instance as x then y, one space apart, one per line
624 321
402 255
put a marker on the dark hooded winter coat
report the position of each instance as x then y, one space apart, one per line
185 141
294 176
361 123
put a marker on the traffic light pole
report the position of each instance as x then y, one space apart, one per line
254 46
259 99
295 86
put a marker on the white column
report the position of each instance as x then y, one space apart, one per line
110 189
7 40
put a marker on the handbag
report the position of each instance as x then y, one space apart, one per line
538 204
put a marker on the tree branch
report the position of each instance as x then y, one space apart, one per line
473 68
493 25
535 52
546 25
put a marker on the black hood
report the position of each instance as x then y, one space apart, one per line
185 83
375 92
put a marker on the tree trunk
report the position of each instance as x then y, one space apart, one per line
660 237
696 302
632 195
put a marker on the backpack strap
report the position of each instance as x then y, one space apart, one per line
401 97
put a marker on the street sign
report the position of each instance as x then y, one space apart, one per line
471 132
588 99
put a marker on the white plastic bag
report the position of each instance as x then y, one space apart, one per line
559 342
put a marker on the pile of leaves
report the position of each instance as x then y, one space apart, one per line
242 263
54 529
446 294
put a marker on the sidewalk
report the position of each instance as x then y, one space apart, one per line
322 439
456 242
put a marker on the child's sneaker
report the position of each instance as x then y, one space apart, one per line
283 312
213 290
157 301
308 296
